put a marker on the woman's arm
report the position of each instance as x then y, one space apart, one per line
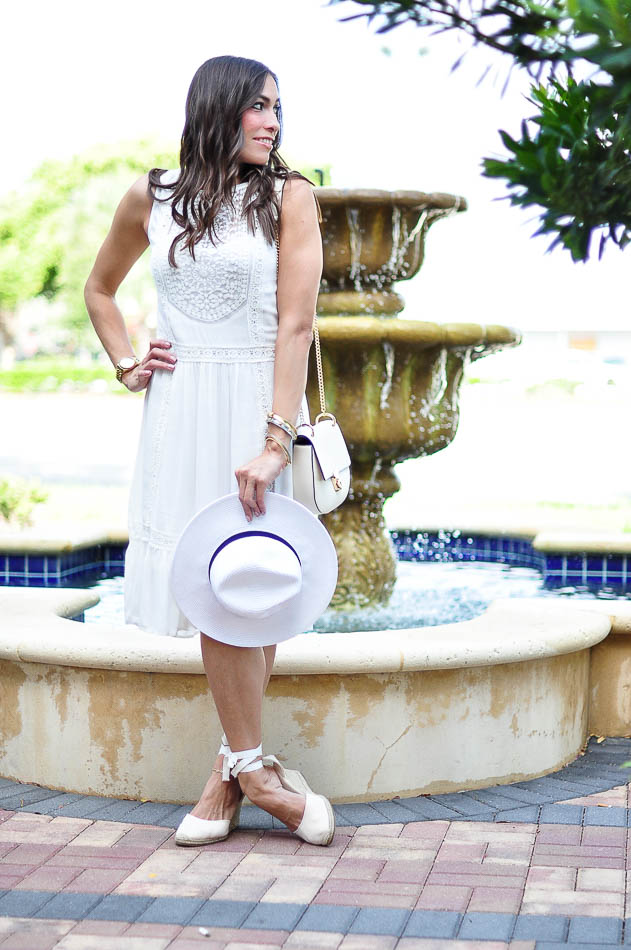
299 273
126 241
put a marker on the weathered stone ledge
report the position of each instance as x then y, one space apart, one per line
34 629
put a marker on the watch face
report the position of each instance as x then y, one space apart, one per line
127 362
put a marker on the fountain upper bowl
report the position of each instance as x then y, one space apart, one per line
372 238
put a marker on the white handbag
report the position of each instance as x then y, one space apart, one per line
321 465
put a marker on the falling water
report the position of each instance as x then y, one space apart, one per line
392 265
355 240
388 353
439 378
436 389
396 266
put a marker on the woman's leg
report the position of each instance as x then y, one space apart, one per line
270 655
238 677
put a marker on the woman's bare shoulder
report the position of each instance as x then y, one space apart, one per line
138 201
299 199
297 189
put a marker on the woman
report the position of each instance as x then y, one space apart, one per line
233 343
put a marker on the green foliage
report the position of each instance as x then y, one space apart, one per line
320 176
576 162
530 32
18 497
52 374
547 33
576 169
51 230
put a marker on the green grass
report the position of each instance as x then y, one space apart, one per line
49 374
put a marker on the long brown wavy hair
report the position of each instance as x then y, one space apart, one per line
221 90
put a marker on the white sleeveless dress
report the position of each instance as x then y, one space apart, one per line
207 417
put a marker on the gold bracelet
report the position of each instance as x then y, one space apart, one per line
274 419
272 438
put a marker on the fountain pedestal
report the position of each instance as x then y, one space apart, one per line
366 556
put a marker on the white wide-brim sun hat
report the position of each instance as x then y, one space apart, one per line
253 583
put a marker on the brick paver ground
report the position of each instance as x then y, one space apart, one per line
70 882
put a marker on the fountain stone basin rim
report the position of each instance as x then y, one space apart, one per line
404 198
365 716
371 330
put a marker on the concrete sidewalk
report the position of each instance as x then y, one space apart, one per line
75 883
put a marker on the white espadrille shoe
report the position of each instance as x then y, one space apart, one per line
194 831
318 821
317 825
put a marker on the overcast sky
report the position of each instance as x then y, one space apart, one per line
382 113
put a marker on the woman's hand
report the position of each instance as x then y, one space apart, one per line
138 378
255 477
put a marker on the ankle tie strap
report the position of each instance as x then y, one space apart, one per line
224 748
237 762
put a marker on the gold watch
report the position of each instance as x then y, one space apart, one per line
124 365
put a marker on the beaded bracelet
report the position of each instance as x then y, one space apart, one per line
275 419
272 438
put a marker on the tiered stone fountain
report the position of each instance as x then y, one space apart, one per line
365 715
392 383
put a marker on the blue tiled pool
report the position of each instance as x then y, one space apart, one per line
86 565
611 572
78 568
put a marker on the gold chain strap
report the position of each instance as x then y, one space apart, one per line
316 340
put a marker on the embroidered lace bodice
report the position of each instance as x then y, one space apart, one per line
215 284
230 284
